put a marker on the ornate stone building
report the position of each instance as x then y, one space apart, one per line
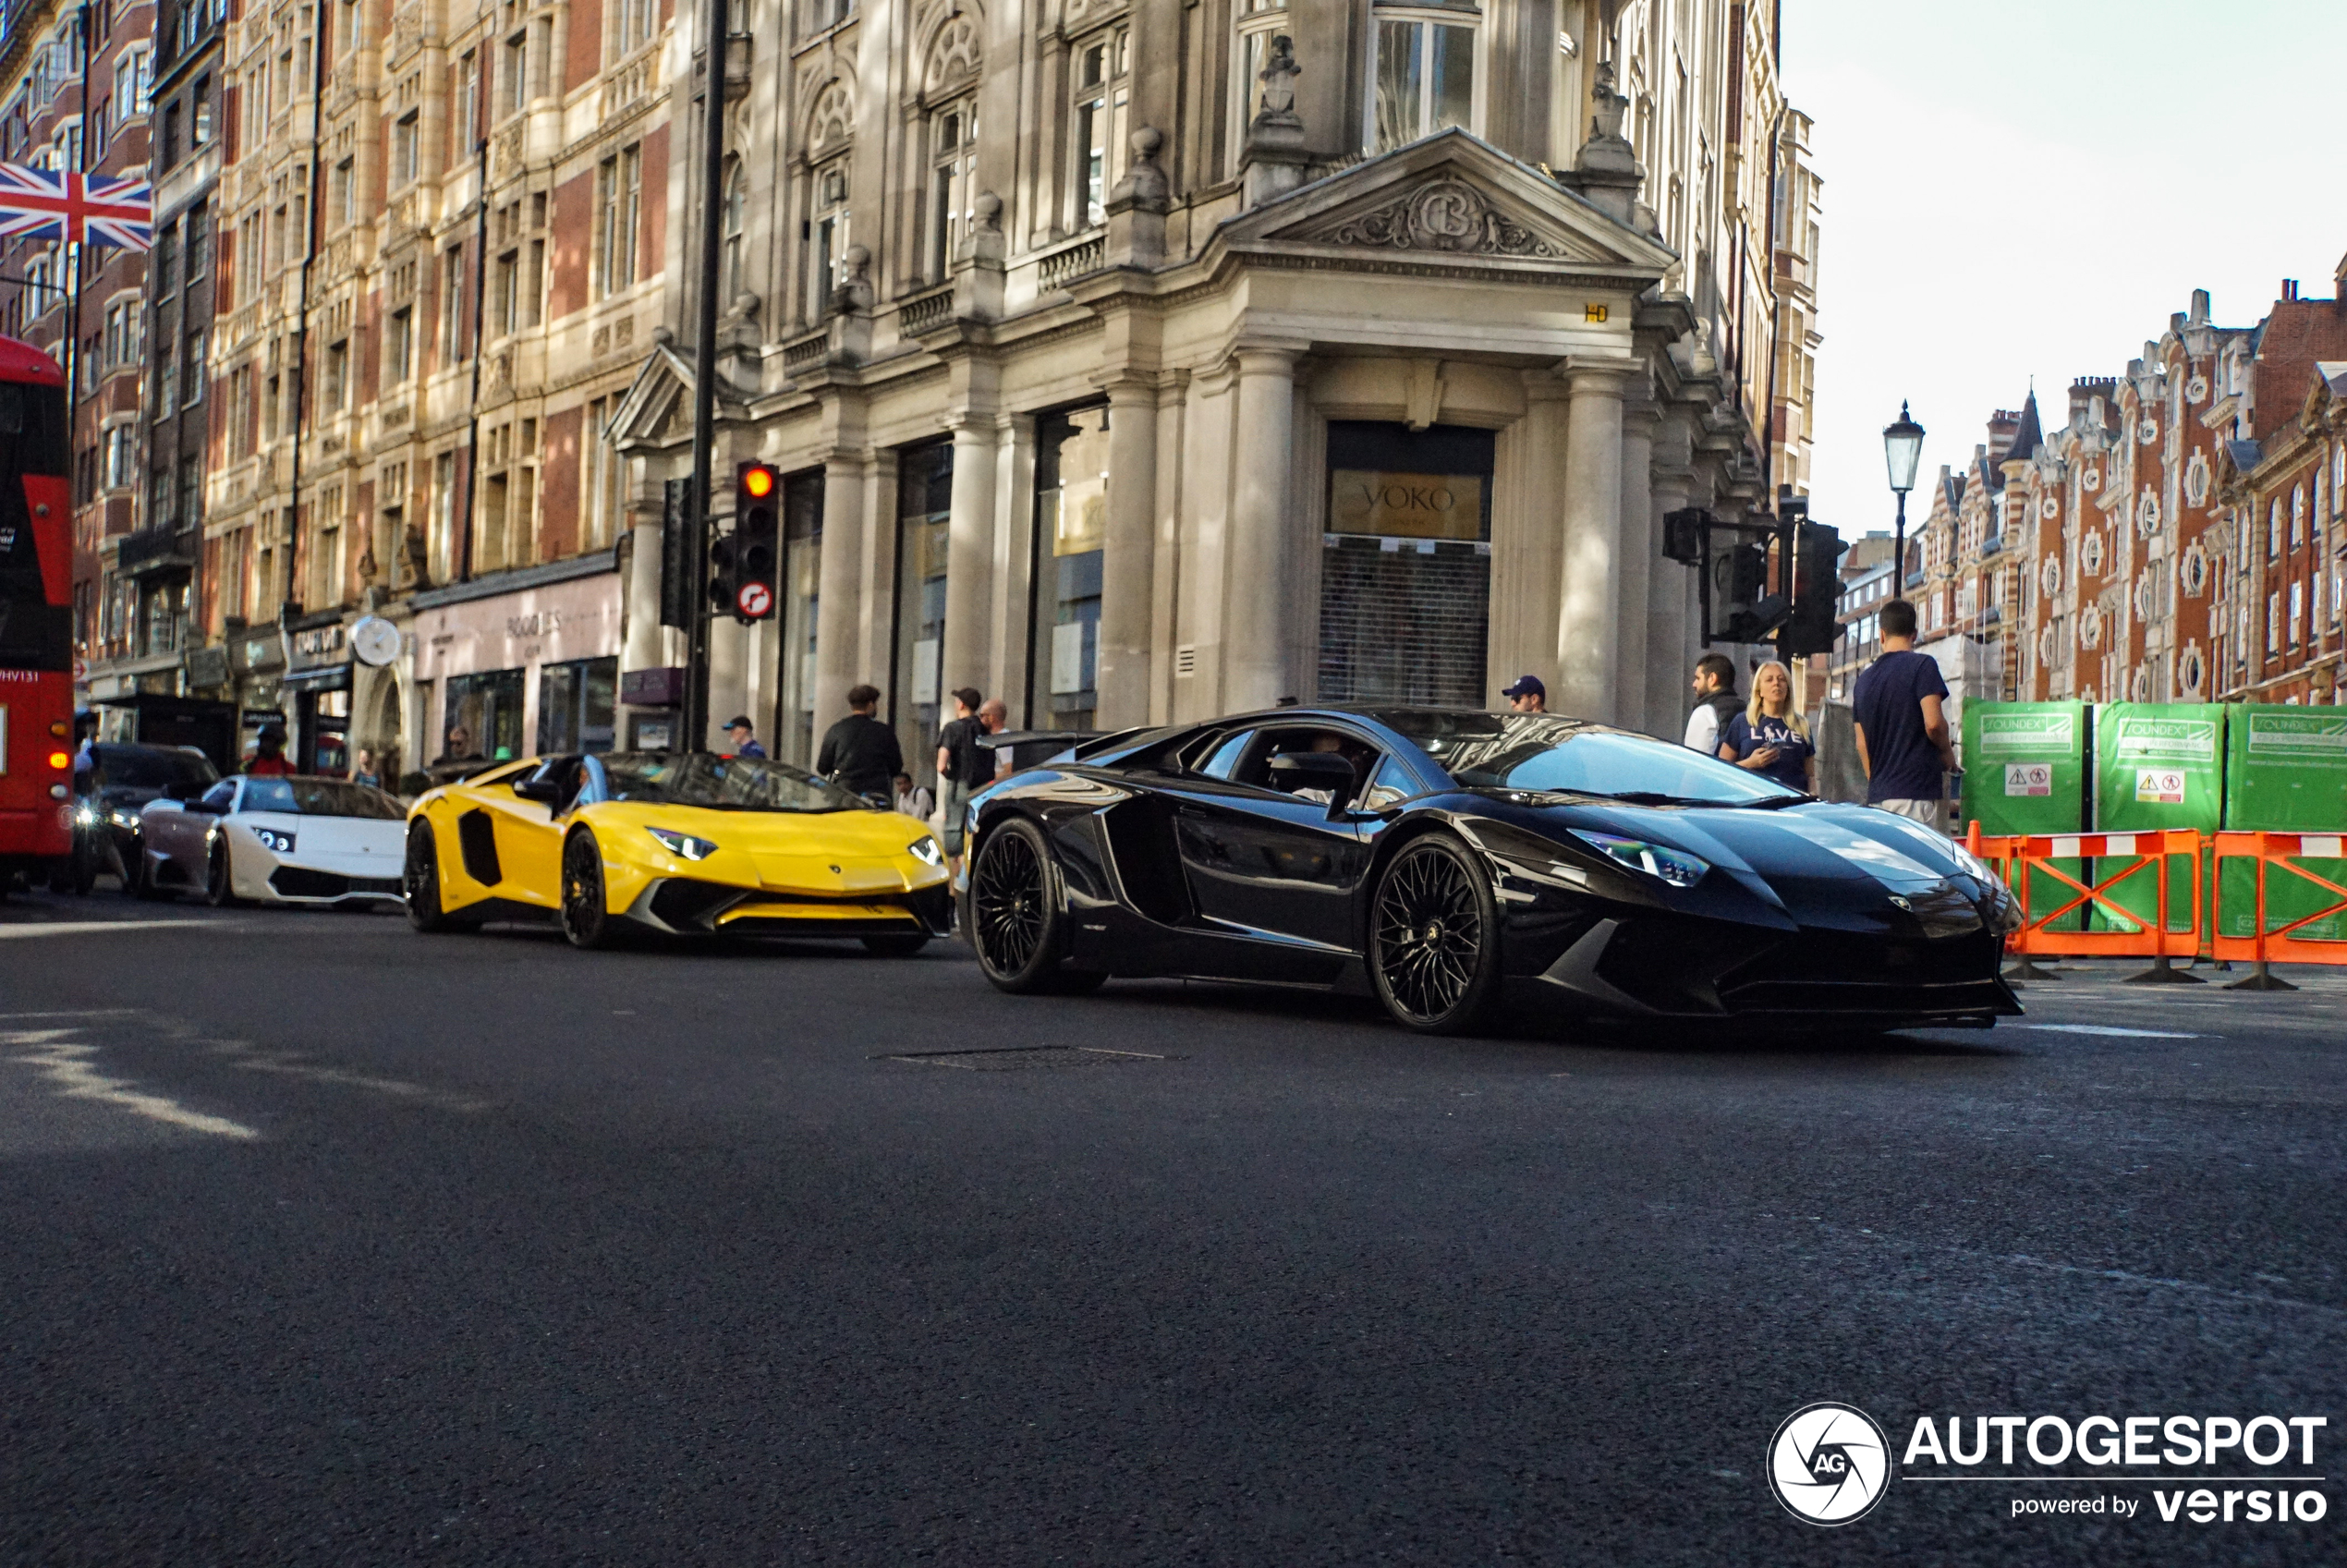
1139 360
443 233
2178 541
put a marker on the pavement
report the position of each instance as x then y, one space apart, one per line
330 1243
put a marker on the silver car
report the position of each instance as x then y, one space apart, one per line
277 840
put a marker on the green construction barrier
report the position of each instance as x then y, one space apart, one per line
2157 765
2024 772
2285 771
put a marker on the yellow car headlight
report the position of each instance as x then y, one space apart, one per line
684 845
925 849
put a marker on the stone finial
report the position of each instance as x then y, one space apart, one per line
854 291
1277 104
1273 156
978 277
1606 174
1137 207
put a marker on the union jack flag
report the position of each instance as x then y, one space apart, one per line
96 208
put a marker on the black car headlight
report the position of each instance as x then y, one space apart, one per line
128 821
684 845
275 840
85 815
1676 866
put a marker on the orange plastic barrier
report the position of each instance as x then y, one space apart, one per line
2017 857
2283 851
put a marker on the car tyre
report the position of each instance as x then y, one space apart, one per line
896 946
1015 923
586 920
420 879
219 875
1434 951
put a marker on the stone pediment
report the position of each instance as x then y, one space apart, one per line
1448 200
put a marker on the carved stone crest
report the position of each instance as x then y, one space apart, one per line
1446 215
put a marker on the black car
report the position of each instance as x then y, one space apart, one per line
121 780
1442 859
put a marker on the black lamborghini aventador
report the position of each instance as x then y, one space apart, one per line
1443 859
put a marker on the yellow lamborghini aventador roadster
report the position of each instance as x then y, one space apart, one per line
689 843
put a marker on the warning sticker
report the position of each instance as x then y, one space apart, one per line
2162 787
2032 733
2028 778
2180 740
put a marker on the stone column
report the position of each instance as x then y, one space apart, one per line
1129 556
729 650
1589 653
838 566
1256 666
1639 561
642 647
969 551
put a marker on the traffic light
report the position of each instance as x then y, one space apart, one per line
1816 592
1747 612
757 496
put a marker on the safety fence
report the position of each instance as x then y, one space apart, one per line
2177 892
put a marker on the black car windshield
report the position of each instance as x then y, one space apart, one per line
1534 751
721 783
134 767
320 797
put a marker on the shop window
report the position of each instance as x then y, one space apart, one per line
1071 522
924 500
488 706
802 553
577 704
1406 571
1422 76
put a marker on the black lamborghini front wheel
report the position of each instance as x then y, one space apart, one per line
1433 939
1015 923
587 922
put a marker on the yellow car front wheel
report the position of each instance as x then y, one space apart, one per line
586 922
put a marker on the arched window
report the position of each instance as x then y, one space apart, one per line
952 148
737 197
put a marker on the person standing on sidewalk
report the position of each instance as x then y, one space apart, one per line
1903 733
964 767
1716 702
859 753
744 735
1771 737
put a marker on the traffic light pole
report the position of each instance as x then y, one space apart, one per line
696 711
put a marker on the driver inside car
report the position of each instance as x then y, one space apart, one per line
1326 741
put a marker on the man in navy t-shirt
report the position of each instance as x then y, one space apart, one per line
1903 734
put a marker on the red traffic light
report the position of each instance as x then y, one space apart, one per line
756 480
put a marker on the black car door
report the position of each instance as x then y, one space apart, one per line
1265 864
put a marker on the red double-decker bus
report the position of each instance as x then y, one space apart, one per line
36 616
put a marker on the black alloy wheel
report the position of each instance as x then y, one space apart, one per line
893 946
219 874
419 881
587 924
1015 922
1433 939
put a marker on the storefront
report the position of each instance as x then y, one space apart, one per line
924 503
256 666
523 663
317 687
1406 565
1071 527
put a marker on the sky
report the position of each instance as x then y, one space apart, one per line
2031 187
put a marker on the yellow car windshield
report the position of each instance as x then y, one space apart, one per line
721 783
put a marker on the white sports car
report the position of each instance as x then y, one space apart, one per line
277 840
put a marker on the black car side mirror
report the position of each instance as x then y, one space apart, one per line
183 792
546 791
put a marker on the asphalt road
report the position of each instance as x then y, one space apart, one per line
330 1243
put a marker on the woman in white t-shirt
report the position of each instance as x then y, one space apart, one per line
1770 736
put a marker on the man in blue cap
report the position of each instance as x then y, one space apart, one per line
1526 695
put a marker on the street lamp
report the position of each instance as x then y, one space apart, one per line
1903 450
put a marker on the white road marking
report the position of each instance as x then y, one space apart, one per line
66 1064
89 928
2108 1029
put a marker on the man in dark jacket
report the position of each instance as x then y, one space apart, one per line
859 752
1716 702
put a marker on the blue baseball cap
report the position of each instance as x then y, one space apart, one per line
1526 686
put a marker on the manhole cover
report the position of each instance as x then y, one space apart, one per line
1025 1058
